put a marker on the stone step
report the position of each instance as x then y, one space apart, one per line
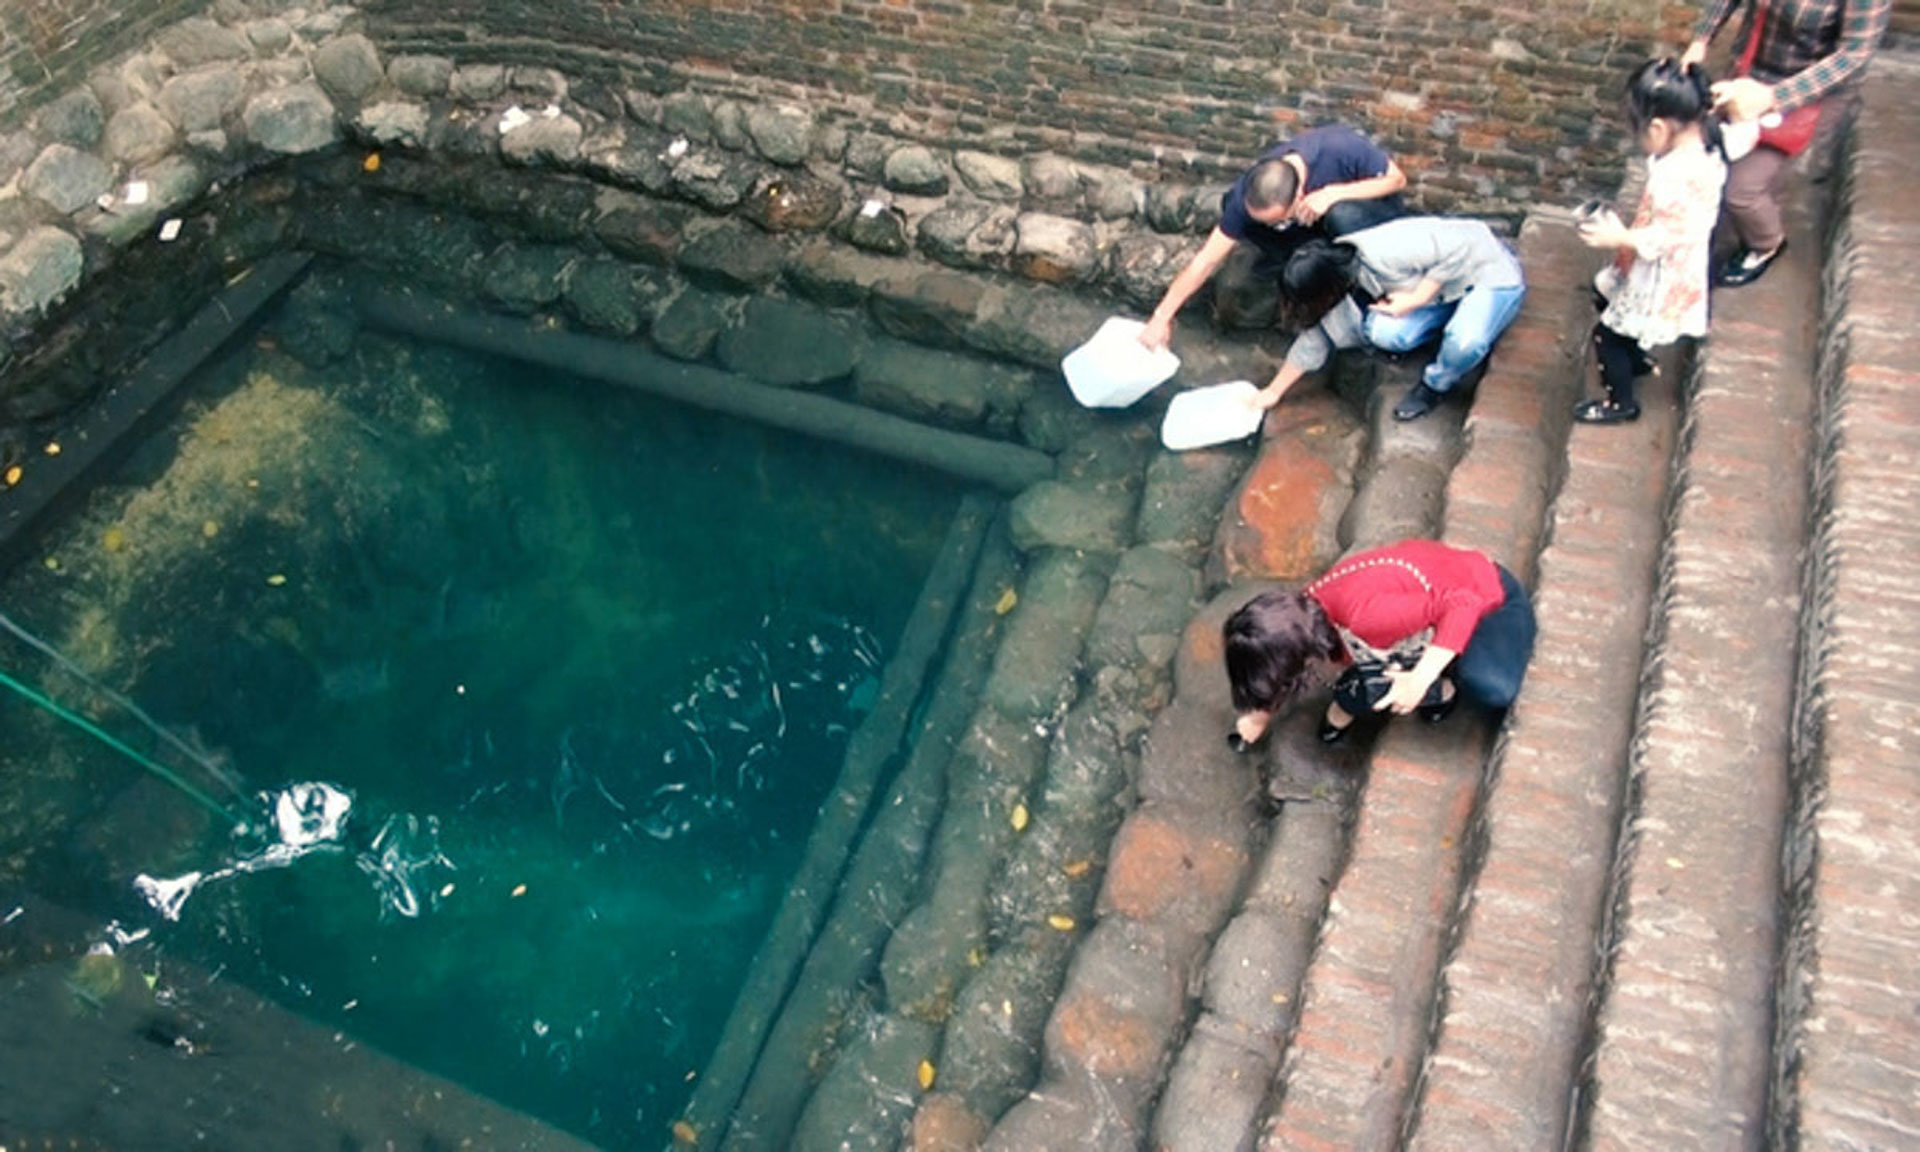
1849 1058
1681 1051
1349 1074
1515 988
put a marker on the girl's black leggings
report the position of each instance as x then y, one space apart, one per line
1621 360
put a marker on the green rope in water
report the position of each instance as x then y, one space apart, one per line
74 670
114 743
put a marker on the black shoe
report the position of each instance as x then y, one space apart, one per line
1605 412
1438 703
1746 266
1331 735
1418 401
1240 743
1434 713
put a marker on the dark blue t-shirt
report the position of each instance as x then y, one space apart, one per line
1333 154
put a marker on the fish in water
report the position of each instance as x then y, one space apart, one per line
566 778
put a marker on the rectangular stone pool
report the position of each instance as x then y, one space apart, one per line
586 662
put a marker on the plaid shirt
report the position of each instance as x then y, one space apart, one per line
1808 46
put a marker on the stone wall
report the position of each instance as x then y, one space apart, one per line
1491 105
46 45
119 165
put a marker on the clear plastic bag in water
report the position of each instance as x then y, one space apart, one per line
401 860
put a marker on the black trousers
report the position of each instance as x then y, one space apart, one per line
1622 360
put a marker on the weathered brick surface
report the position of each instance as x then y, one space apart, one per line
1283 520
1497 496
1368 992
1515 988
1368 995
1490 106
1683 1039
1849 1059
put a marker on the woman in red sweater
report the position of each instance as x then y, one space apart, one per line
1443 621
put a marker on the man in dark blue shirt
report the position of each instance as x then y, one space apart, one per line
1326 181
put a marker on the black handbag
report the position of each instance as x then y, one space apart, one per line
1365 683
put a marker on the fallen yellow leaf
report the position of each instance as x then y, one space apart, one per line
14 473
209 529
372 162
926 1075
519 890
53 448
1061 923
685 1133
277 579
1006 602
1078 868
1020 817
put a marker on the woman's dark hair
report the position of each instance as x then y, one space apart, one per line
1269 642
1665 89
1319 272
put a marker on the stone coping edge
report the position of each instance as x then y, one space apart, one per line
1005 467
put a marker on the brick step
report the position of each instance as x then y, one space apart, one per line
1368 993
1515 988
1848 1058
1682 1041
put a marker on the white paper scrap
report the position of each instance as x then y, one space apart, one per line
513 118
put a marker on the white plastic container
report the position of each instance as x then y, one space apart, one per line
1204 417
1114 369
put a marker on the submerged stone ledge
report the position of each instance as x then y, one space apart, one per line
987 462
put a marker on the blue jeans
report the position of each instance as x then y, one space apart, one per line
1490 670
1468 327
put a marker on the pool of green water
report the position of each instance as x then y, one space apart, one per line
600 655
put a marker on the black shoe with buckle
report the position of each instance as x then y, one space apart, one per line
1746 266
1418 401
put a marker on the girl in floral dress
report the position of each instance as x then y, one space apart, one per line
1656 287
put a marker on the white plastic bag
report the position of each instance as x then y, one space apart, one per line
1114 369
1204 417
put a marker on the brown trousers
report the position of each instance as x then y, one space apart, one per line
1753 198
1752 195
